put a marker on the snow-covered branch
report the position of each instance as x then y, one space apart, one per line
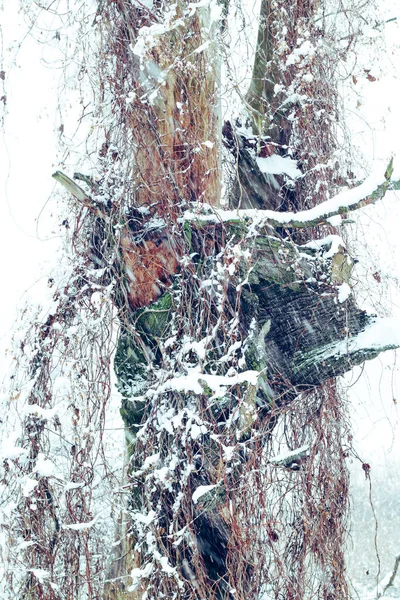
291 459
372 189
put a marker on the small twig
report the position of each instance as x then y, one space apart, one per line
292 459
391 579
86 179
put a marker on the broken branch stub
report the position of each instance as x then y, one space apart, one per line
79 194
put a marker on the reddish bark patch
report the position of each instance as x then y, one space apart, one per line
149 267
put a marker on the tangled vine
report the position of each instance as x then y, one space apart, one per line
235 482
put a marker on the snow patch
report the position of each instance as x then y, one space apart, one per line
345 199
335 221
146 39
38 411
306 49
197 430
29 486
193 382
279 165
83 526
202 47
138 574
8 450
40 574
201 491
285 457
143 518
344 292
331 242
44 467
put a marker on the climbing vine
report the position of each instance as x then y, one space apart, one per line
232 479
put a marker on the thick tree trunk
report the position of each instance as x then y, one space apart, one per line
232 328
227 323
230 321
298 334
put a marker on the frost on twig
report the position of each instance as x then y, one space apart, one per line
292 459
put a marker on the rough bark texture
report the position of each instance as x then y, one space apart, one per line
259 304
294 303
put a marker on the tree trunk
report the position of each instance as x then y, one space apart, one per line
232 325
215 349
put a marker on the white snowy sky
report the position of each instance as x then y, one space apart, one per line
27 155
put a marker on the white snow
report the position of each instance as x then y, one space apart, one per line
162 474
165 566
83 526
383 334
29 485
198 347
306 49
192 382
335 221
202 47
344 292
70 485
308 77
277 165
143 518
8 450
197 430
331 242
285 456
148 462
62 384
38 411
228 451
44 467
147 35
24 545
40 574
138 573
200 491
345 199
215 10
